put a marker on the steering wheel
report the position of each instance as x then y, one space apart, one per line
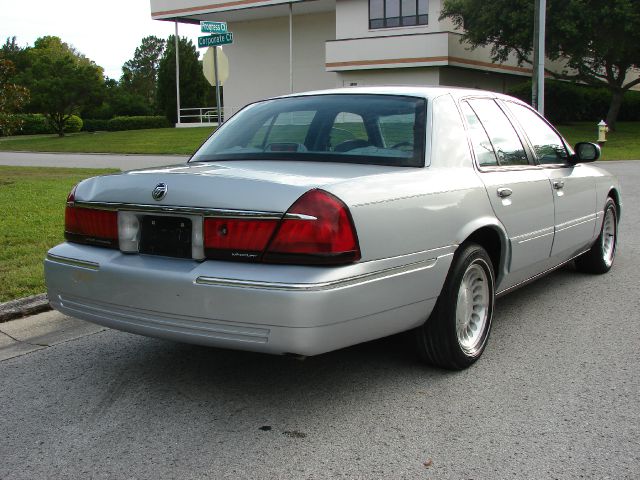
350 145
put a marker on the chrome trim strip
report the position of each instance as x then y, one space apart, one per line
299 216
207 212
537 276
74 262
575 222
321 286
543 232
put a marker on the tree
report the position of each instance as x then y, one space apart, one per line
12 98
193 85
61 80
140 74
16 54
117 101
597 40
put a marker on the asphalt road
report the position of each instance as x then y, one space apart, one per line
556 395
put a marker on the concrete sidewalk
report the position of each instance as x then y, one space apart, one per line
26 335
88 160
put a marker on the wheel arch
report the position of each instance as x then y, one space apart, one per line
490 235
615 195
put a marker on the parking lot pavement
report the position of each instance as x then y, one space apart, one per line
88 160
554 396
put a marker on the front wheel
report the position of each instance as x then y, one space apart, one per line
599 258
457 330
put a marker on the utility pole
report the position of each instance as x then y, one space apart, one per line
177 72
290 47
537 83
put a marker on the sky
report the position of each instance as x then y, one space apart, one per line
107 32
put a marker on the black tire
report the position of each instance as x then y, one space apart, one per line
600 256
437 340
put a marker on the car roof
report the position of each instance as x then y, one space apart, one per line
428 92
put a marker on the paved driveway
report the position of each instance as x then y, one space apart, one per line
554 396
88 160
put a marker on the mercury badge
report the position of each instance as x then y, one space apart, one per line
160 191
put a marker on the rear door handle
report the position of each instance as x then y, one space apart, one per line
558 184
504 192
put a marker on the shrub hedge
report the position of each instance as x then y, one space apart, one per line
126 123
38 124
568 102
33 124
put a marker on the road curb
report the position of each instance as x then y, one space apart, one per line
23 307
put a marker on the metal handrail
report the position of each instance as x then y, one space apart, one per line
204 114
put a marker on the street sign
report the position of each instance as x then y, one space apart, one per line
213 40
213 27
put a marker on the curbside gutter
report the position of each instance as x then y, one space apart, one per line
23 307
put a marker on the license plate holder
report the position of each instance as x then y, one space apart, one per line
166 236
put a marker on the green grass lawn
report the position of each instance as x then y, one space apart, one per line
32 221
623 144
153 141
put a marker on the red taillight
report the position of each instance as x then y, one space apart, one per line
316 230
241 239
323 233
86 225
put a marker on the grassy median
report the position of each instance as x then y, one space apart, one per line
32 221
182 141
623 144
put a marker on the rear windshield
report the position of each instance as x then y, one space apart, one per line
345 128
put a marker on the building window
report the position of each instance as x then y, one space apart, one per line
398 13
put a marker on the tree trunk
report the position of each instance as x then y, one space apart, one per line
617 96
58 124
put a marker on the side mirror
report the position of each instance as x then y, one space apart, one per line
586 152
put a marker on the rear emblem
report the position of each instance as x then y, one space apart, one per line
160 191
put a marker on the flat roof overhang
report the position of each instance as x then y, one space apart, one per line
235 10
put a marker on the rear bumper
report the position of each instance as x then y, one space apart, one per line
267 308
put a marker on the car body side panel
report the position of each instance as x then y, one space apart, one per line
433 204
574 198
527 215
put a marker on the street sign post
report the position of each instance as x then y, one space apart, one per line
213 27
214 40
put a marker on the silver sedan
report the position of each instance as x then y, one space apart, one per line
316 221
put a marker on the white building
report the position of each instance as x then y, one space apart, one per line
339 43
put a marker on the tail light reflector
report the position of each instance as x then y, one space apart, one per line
90 226
237 239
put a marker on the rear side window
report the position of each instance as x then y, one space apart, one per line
547 144
482 147
505 140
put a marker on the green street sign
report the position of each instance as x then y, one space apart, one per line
213 40
213 27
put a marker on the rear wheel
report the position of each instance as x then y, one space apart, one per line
599 258
456 333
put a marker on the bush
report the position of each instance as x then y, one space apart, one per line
73 124
33 124
95 125
137 123
126 123
566 102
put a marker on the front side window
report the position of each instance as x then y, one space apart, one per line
505 140
345 128
547 144
398 13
